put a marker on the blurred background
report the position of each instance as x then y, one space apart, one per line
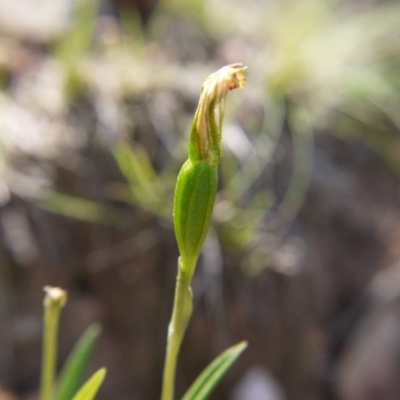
303 259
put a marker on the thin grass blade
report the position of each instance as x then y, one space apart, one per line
79 208
208 379
89 390
71 376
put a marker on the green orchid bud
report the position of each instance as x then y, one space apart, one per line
197 181
195 192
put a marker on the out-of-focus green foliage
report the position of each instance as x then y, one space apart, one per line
144 185
76 43
76 207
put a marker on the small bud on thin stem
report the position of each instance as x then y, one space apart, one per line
54 301
194 202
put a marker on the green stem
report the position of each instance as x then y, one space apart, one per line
54 300
181 313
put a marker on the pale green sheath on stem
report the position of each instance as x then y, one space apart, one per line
195 193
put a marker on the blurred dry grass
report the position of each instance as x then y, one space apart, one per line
94 117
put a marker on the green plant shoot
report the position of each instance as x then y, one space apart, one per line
54 301
195 193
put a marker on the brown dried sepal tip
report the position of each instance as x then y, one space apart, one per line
236 76
207 124
227 78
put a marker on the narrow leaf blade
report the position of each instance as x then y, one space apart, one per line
79 208
207 380
71 376
89 390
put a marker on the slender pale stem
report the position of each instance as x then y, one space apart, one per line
181 313
54 300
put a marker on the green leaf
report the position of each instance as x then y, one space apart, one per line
76 43
207 380
79 208
137 168
72 373
90 388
